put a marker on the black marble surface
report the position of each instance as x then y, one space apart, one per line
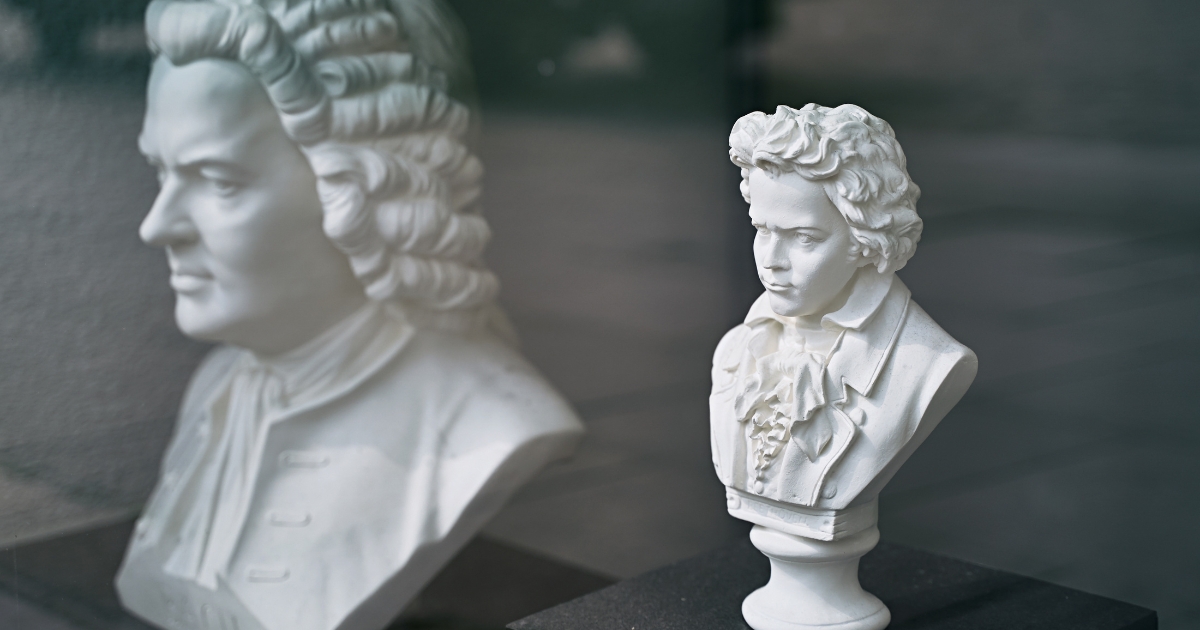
66 583
924 591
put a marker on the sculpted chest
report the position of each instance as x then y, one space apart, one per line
302 530
819 407
873 410
356 501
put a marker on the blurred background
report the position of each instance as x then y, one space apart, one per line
1057 143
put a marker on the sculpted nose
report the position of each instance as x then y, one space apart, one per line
167 223
776 254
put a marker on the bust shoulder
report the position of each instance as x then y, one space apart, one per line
730 348
498 420
923 345
497 395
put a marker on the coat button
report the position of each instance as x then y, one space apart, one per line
303 459
830 492
289 519
213 618
267 574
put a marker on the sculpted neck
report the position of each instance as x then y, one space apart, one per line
488 317
815 321
299 329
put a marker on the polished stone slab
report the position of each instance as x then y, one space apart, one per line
924 592
66 583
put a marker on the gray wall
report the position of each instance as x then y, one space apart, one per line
1127 70
91 365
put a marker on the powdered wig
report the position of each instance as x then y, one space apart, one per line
363 87
855 156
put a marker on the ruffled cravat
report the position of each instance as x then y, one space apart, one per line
781 390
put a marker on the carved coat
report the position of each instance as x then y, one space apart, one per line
891 376
359 496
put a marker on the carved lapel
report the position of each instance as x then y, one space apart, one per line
860 354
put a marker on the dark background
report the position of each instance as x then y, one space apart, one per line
1056 143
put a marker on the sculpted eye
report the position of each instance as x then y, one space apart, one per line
808 237
224 181
225 187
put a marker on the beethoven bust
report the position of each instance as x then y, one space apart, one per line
836 376
366 413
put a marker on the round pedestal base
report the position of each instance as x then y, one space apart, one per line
814 584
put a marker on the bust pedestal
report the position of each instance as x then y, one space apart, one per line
814 584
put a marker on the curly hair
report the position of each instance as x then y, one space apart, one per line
856 158
364 89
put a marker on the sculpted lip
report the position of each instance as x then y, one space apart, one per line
185 282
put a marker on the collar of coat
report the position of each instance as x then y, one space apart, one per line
869 322
333 364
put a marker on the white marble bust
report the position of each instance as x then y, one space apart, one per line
366 412
836 376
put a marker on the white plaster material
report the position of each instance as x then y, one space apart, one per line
813 584
815 523
366 412
836 376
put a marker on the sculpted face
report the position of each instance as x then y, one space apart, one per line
238 213
802 248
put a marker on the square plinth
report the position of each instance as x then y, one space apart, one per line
924 591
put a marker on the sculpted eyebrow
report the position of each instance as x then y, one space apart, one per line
223 166
222 154
798 228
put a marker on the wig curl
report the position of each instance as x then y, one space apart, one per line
364 88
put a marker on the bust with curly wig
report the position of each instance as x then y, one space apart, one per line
365 412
